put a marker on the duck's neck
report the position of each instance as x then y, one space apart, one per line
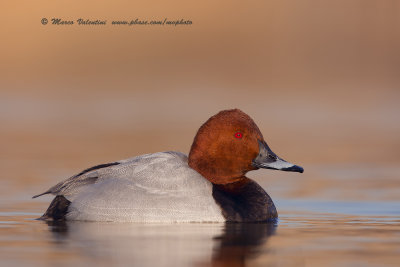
234 187
227 181
216 172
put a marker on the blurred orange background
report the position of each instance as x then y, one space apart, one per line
320 78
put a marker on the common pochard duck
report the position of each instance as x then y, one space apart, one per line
209 185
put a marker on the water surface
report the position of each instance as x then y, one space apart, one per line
311 231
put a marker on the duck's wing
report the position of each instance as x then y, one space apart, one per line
124 169
85 177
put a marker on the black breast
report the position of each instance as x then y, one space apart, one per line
244 201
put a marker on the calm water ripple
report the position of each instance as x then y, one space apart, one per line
301 237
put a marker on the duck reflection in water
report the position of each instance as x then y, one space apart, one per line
229 244
241 241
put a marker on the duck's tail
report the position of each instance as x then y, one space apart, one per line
57 210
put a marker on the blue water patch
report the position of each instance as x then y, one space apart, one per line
340 207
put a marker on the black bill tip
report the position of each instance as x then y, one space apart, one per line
294 168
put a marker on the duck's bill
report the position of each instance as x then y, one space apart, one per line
281 165
269 160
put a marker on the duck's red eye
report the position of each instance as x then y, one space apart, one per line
238 135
